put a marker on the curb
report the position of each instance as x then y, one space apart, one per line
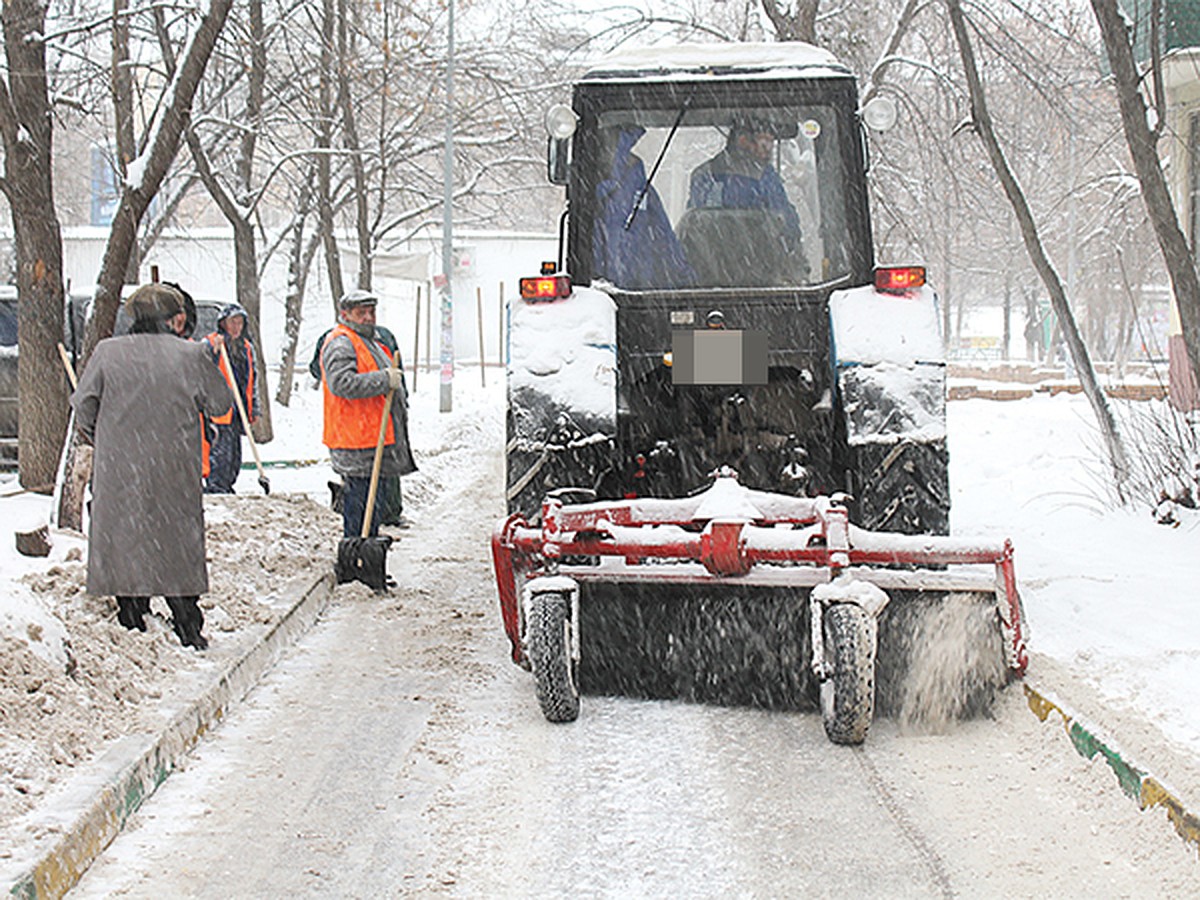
104 815
1135 782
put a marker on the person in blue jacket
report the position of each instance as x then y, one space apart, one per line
741 176
635 248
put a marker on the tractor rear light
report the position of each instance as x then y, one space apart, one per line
898 279
545 287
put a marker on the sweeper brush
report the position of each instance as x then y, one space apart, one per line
737 596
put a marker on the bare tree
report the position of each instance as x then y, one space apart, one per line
1143 140
982 124
160 145
27 134
236 200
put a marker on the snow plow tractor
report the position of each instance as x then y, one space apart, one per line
726 458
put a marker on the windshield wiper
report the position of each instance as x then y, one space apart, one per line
637 201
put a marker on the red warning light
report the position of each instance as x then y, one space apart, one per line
554 287
898 279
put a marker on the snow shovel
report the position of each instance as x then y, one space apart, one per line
364 558
37 542
241 408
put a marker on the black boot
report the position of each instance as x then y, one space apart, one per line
131 612
188 620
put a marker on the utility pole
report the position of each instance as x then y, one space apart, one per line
447 355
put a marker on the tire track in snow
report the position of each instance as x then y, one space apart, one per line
915 837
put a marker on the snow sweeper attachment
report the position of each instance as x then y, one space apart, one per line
743 597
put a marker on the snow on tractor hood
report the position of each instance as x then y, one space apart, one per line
890 365
566 350
872 327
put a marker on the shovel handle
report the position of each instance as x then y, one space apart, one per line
66 361
377 464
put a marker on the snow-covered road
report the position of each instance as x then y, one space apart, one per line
397 751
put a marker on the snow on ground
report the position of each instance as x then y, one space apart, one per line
1109 593
72 680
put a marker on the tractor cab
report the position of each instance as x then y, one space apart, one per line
743 175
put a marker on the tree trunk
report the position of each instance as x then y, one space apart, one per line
239 216
333 258
798 24
25 124
299 260
1037 253
156 159
350 141
250 297
295 305
1143 149
122 99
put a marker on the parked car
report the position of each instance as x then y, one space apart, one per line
8 376
204 317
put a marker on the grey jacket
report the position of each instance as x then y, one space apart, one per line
340 365
139 402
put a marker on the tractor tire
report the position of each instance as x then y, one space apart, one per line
848 691
548 636
902 487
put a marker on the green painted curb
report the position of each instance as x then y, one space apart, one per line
58 868
1134 781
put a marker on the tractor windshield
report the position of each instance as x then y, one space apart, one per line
750 198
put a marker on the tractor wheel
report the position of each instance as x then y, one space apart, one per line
548 635
848 691
902 487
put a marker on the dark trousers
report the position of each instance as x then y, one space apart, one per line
391 500
224 460
354 506
186 615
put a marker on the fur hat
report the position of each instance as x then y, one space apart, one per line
154 303
229 311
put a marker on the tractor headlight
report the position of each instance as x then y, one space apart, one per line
880 113
561 121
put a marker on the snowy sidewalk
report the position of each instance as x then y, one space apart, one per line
79 822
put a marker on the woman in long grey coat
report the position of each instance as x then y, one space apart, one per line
139 401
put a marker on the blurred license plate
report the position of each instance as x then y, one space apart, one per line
718 356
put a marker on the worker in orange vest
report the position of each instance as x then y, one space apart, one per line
225 456
356 376
185 329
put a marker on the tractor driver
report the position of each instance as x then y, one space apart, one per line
741 176
763 235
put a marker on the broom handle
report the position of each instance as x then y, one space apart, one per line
241 408
378 463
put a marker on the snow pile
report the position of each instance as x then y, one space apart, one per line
72 679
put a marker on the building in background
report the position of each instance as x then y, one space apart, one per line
1179 32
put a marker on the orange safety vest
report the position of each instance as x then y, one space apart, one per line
205 451
249 400
354 424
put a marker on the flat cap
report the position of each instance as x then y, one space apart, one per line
357 297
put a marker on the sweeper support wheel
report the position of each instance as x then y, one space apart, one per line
848 677
552 648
